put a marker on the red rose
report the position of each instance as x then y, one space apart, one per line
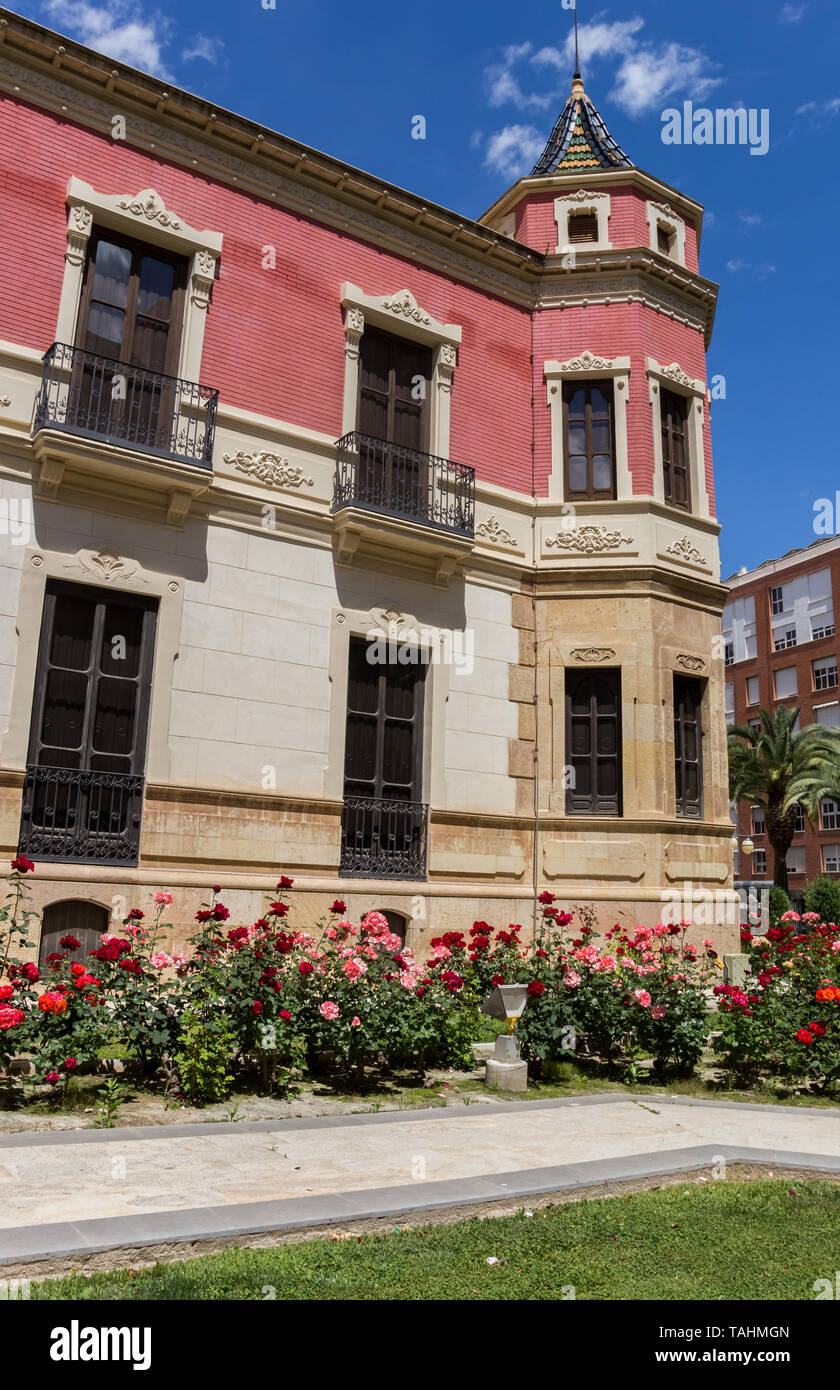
256 1007
284 883
6 991
536 988
339 906
70 1063
805 1037
77 968
135 915
546 897
279 909
217 888
22 864
285 1015
52 1078
306 967
69 943
497 980
30 971
220 913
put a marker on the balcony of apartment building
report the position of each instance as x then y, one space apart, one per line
393 494
127 423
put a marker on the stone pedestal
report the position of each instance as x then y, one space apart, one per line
508 1076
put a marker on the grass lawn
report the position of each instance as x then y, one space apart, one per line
739 1240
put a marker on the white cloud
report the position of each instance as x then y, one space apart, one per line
750 219
762 271
737 265
203 47
514 150
791 14
115 28
649 76
819 111
647 72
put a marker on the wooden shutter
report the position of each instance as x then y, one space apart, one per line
583 226
593 742
93 681
674 410
74 917
392 406
590 440
384 727
688 747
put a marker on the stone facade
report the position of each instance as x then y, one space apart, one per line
260 581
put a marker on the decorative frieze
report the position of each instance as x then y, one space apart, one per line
684 550
691 663
269 468
106 566
593 654
588 540
404 305
674 372
493 532
587 362
150 206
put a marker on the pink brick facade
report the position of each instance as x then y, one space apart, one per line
288 363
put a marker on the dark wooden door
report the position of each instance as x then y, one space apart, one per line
131 313
688 746
395 381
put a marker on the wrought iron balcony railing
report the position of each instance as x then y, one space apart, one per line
81 817
383 838
101 398
400 482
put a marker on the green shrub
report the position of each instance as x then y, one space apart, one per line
823 897
204 1057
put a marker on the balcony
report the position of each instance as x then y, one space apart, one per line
76 817
387 496
383 838
96 415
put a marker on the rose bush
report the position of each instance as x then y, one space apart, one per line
785 1018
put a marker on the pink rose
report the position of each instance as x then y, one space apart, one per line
355 1022
572 979
658 1011
329 1010
642 997
163 898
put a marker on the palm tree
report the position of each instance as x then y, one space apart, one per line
779 767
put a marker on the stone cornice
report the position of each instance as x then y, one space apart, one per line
81 85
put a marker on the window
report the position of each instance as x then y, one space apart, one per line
800 820
755 724
831 859
777 600
828 715
729 654
395 376
783 640
730 700
821 629
688 747
796 859
384 820
752 690
583 226
757 815
785 682
590 439
593 743
132 303
83 920
664 239
825 673
829 814
83 788
674 411
759 862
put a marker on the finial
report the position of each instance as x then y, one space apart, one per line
577 55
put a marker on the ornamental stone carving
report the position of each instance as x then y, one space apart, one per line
587 362
105 565
588 540
492 531
691 663
269 468
593 654
150 205
684 550
5 401
404 305
676 373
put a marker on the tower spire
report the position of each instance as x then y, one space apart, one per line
577 55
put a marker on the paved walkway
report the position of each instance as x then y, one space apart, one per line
65 1193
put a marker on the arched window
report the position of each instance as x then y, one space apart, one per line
396 922
73 917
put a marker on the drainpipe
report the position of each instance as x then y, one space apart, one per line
536 860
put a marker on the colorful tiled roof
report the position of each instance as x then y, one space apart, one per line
580 140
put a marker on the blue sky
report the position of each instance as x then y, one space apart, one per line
489 79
